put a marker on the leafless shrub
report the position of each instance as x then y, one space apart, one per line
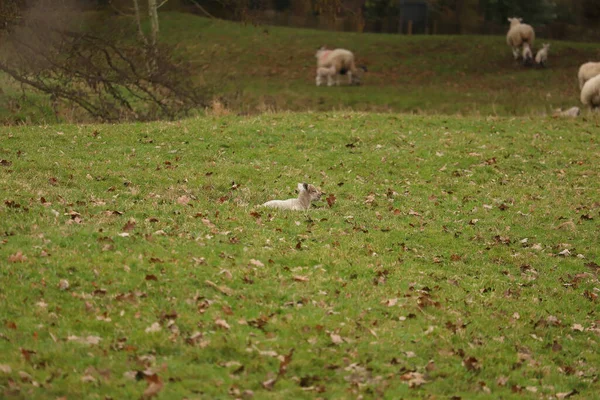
98 63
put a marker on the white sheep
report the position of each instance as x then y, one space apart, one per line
587 71
517 34
325 73
590 93
527 55
341 60
542 55
307 194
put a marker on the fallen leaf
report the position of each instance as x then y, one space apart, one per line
63 284
336 339
221 323
330 200
18 257
300 278
183 200
223 289
155 385
129 226
566 394
155 327
577 327
471 364
414 379
256 263
5 368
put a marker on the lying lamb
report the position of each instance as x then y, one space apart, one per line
590 93
341 60
307 194
542 55
325 72
587 71
518 34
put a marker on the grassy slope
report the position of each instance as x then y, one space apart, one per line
439 256
272 68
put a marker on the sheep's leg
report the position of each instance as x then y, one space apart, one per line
515 51
349 77
329 80
318 80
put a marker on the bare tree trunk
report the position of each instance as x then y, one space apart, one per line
153 13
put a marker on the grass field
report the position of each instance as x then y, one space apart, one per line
256 69
451 257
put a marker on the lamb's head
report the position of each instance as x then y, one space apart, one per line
320 51
546 46
313 192
515 21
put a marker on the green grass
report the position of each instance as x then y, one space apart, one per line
252 69
440 256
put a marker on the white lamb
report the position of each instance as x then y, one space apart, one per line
590 93
587 71
527 55
307 194
518 34
325 73
341 60
542 55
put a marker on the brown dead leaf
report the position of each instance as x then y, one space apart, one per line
183 200
18 257
155 385
221 323
300 278
471 364
256 263
331 200
336 339
223 289
565 395
129 226
414 379
269 383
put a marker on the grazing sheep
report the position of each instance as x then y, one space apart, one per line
341 60
587 71
518 34
325 72
527 55
590 93
542 55
307 194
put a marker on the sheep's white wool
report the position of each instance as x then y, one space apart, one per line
527 54
517 34
325 73
542 55
590 93
307 194
587 71
341 60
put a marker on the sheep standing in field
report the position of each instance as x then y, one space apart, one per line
542 55
527 55
590 93
519 33
587 71
341 60
325 73
307 194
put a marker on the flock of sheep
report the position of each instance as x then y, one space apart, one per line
520 37
333 63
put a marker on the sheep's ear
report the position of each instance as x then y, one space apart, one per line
520 19
509 19
301 187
